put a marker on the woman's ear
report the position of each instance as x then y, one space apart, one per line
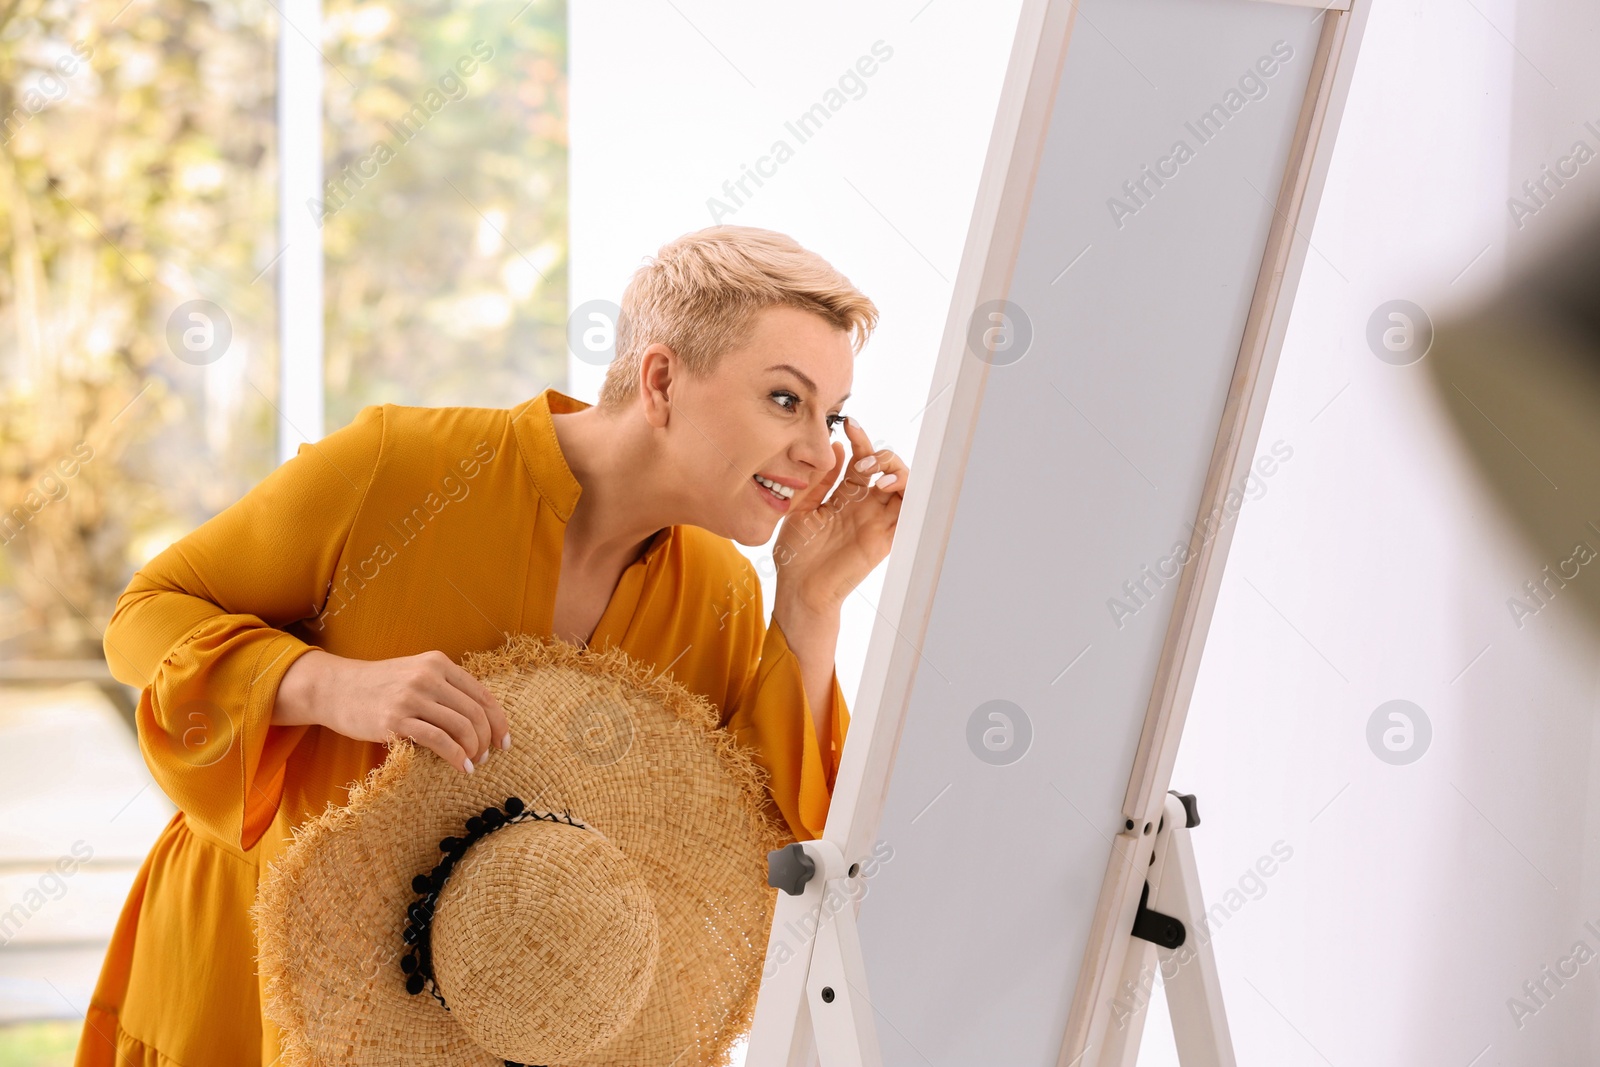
656 371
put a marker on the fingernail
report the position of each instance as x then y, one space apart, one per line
886 481
866 463
469 766
505 739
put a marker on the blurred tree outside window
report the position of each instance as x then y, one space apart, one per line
138 173
445 212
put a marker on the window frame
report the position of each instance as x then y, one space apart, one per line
300 406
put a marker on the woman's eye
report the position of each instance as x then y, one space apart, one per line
833 421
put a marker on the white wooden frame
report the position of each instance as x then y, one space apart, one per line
783 1030
1287 243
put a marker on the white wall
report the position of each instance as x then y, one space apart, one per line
1419 898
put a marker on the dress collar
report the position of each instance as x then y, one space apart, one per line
541 450
547 466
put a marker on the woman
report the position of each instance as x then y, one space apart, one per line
282 641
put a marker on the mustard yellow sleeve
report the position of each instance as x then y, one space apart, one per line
773 718
198 629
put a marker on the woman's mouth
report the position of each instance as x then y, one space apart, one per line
778 496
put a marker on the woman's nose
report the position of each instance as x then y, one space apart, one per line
817 447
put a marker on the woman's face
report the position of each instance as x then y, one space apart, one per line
769 409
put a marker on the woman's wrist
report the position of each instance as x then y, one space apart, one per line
791 600
812 633
299 690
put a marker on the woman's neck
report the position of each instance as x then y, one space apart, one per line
626 498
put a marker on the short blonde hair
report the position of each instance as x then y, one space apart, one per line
700 292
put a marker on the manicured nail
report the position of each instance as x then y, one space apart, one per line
505 739
886 481
867 463
469 766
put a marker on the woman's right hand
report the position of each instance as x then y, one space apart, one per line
427 697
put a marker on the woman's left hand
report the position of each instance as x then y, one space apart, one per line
826 547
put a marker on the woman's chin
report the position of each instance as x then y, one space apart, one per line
752 532
754 538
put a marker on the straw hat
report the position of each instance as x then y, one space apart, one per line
596 895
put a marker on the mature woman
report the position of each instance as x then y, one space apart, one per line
282 641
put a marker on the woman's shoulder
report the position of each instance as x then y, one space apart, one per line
448 420
420 438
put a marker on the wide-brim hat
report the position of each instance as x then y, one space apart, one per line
595 895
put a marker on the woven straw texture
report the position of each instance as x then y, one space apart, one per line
630 753
495 921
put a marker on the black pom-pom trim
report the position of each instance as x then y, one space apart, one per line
418 963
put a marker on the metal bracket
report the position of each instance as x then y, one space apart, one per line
1163 930
1174 943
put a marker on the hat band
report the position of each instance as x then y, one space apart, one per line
417 963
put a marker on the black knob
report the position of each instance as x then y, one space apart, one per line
789 869
1191 808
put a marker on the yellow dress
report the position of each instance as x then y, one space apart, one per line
410 529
